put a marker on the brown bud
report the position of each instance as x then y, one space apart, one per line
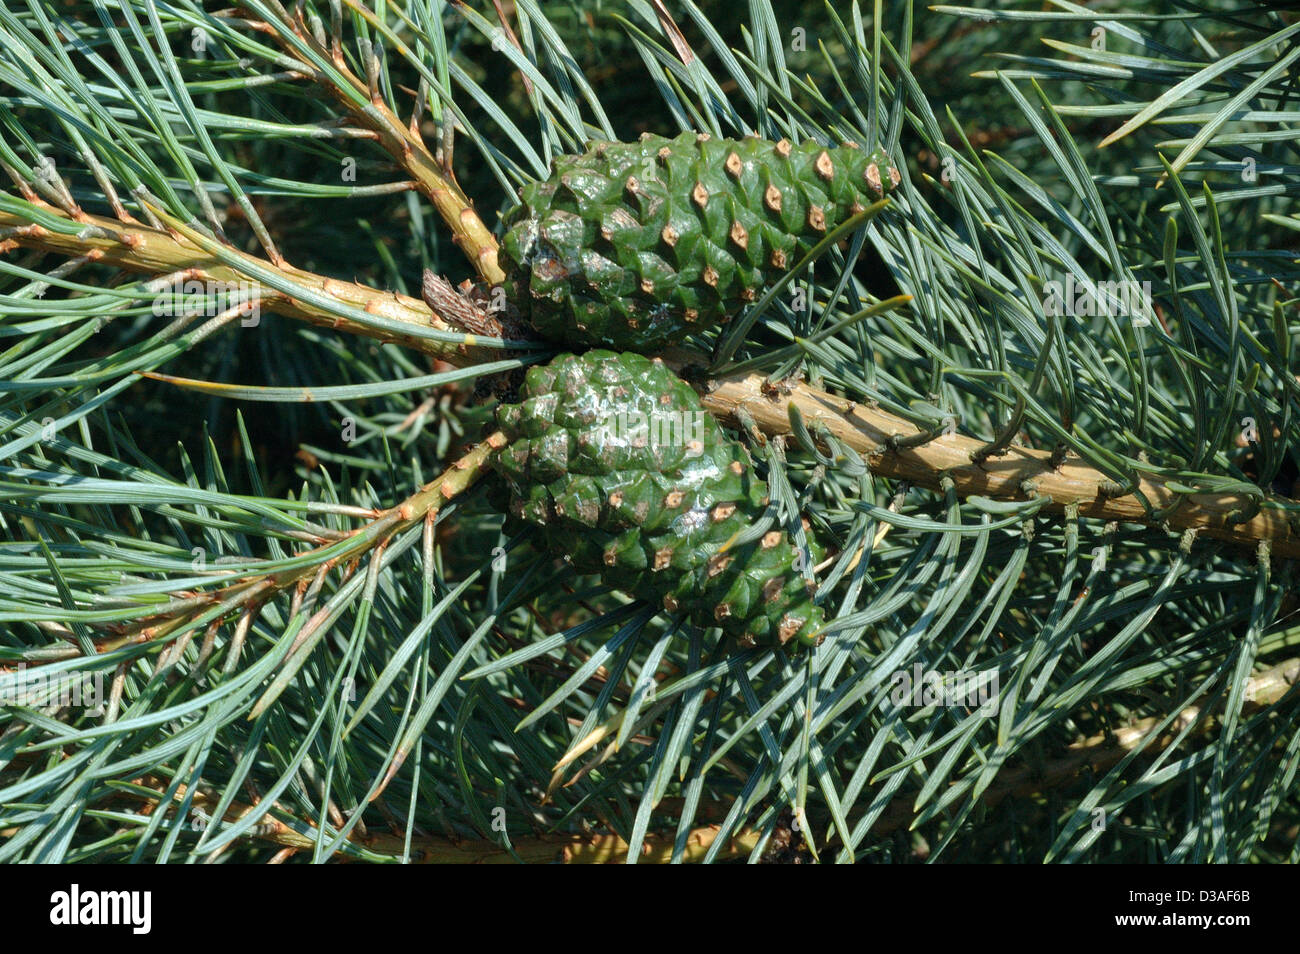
789 626
872 175
824 166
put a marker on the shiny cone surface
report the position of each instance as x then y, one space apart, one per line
615 458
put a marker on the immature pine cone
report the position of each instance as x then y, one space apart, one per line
630 478
634 245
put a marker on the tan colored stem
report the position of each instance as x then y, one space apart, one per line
407 148
1098 753
1016 474
139 248
573 849
256 590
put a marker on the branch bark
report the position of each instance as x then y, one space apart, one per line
1016 474
404 144
135 247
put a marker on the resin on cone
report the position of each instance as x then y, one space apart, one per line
630 478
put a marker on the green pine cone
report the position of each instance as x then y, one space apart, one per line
634 245
630 478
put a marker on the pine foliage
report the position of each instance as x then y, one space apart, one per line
243 469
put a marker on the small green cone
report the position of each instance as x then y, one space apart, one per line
631 479
635 245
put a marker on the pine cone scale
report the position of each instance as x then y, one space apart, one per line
635 245
614 458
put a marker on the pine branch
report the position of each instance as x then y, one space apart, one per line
1098 753
1018 473
1134 681
135 247
365 104
1094 755
248 593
